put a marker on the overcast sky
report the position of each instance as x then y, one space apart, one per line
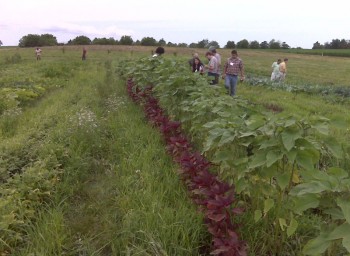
299 23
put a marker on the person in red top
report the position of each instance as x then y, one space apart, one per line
84 54
232 69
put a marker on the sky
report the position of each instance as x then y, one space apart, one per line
299 23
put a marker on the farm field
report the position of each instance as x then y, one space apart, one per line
82 172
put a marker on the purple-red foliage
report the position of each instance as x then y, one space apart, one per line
214 197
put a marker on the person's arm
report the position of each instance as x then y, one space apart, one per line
224 72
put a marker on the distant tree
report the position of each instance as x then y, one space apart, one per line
327 45
317 45
137 42
29 40
214 44
170 44
254 45
264 45
126 40
48 40
230 45
344 44
193 45
203 44
148 41
0 43
80 40
183 45
32 40
335 44
161 42
273 44
104 41
285 45
243 44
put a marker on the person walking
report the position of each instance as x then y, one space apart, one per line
212 66
283 70
275 75
232 69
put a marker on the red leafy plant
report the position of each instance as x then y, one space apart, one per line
214 197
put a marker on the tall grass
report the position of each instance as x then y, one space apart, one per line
119 193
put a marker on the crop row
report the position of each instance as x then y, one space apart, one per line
282 168
214 197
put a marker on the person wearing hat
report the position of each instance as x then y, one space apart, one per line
283 69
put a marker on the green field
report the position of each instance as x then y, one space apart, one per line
83 173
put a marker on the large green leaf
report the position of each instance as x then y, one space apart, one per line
268 204
283 180
318 245
345 207
304 159
304 202
293 225
222 155
272 157
313 187
289 136
258 159
336 213
342 231
269 143
226 137
321 127
334 147
257 215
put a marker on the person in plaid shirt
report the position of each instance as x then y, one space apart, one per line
232 69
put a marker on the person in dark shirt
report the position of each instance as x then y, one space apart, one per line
197 66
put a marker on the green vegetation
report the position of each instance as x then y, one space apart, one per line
82 173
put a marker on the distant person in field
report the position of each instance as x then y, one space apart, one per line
283 69
38 53
275 75
159 51
191 61
218 58
212 67
232 69
197 66
83 57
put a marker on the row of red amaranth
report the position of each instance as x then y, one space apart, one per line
214 197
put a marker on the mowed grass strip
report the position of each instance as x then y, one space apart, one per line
120 193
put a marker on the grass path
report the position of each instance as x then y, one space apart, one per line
119 194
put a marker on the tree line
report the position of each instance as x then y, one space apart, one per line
34 40
334 44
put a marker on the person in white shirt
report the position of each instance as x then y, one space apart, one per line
38 53
275 75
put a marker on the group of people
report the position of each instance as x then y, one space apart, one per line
232 68
279 70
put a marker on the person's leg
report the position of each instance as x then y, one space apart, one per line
233 83
227 83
